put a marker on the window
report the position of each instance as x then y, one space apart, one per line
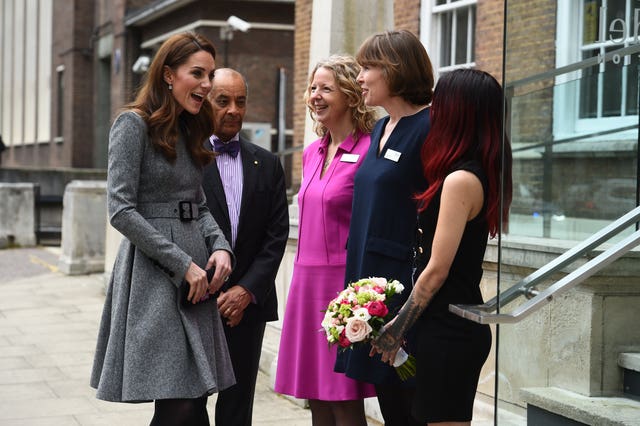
25 71
603 96
450 28
612 78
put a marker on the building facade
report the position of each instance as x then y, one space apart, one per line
570 74
68 67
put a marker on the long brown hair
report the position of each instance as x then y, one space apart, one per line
157 106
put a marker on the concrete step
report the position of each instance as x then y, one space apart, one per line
630 363
555 406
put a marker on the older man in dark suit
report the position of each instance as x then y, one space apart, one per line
245 191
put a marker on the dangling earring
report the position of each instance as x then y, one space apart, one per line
170 86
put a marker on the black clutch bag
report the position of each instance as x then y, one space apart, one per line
184 289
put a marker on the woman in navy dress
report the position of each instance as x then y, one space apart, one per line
464 159
397 75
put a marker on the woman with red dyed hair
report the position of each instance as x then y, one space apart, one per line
466 157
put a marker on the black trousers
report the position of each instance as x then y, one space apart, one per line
234 406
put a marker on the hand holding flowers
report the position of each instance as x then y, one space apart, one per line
358 315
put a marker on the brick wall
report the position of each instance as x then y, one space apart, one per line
489 31
73 23
530 49
406 15
302 43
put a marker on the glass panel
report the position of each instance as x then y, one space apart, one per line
590 21
462 27
472 58
616 9
564 189
632 72
445 21
575 170
589 89
612 87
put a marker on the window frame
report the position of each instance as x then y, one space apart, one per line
430 30
569 49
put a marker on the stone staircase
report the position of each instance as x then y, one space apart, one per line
552 406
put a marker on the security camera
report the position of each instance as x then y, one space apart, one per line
141 65
238 24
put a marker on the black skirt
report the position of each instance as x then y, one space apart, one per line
449 357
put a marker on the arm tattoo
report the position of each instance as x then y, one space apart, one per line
410 312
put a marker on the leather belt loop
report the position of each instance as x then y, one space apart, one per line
184 210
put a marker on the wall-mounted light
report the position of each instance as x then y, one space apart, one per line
141 65
226 33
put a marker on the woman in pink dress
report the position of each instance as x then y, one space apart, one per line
305 360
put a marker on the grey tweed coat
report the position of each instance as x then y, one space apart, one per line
150 346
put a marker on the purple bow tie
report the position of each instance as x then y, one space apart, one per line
232 147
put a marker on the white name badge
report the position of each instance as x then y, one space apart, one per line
349 158
392 155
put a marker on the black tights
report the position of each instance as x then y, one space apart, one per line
337 413
395 404
180 412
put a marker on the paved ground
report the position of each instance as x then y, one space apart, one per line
48 327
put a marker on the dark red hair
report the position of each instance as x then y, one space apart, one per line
467 124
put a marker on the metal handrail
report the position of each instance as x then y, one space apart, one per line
576 66
483 313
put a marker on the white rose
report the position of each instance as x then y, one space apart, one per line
398 286
327 321
362 314
357 330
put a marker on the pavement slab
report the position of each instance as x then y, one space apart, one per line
48 327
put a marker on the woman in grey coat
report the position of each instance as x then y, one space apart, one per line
152 343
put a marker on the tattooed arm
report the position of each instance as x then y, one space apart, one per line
462 198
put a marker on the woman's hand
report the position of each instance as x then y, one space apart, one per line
386 344
198 285
221 260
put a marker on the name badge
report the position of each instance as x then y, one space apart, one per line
349 158
392 155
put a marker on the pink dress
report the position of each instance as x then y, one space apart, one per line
305 360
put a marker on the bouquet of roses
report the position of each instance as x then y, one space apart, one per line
358 314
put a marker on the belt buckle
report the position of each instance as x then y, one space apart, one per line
186 211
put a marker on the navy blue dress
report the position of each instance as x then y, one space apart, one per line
383 226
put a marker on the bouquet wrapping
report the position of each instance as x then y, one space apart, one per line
358 314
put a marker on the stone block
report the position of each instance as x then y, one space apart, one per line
17 214
83 227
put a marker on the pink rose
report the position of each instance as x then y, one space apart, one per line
377 308
343 341
357 330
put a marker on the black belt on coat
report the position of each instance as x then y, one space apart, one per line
183 210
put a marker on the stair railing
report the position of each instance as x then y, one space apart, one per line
483 313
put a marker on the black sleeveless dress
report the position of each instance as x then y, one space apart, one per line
451 350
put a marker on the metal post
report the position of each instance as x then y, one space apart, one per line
282 80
